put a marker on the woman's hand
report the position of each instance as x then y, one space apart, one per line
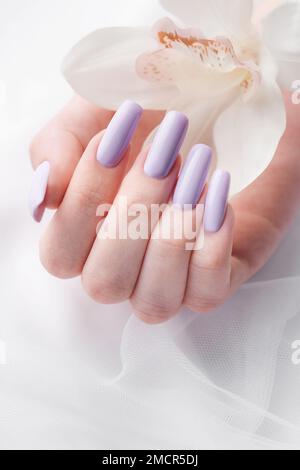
157 273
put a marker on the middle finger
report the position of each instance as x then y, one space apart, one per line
112 269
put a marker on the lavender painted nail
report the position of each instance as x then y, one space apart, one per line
166 145
38 191
118 134
216 201
193 176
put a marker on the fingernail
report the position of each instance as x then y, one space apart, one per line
38 191
166 145
118 134
193 176
216 201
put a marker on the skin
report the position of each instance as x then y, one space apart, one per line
158 276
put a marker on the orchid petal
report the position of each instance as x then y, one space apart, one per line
282 30
226 17
262 8
282 35
208 67
247 134
191 78
102 69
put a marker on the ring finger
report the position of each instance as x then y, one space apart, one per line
157 298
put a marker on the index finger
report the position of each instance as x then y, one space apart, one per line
57 148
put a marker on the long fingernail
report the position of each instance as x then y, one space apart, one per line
166 145
38 191
119 134
193 176
216 201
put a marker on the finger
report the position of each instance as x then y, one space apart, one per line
210 267
161 286
56 150
72 231
150 120
112 268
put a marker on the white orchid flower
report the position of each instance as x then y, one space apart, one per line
220 67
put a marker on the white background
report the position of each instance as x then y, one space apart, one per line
79 375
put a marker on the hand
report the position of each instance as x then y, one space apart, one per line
157 275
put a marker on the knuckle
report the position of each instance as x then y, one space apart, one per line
170 244
55 256
105 289
57 265
88 199
203 304
211 264
153 312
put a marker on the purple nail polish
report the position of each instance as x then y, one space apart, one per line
38 191
193 176
166 145
118 134
216 201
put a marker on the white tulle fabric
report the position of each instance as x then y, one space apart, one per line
84 376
